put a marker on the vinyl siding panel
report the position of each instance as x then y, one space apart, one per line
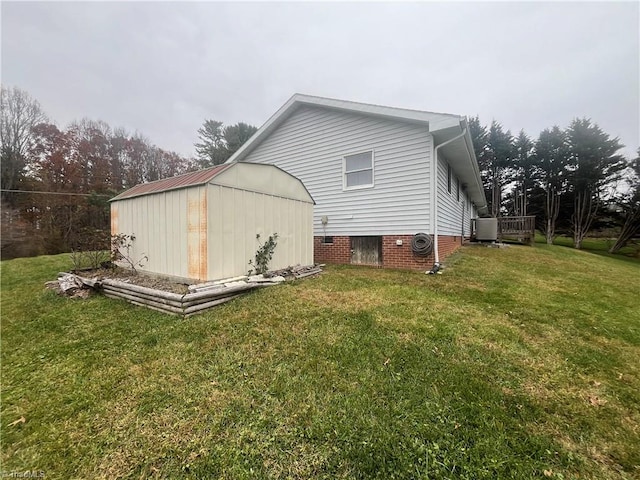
450 210
311 145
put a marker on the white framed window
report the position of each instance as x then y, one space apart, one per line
357 170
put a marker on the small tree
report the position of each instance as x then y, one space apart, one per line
121 245
90 249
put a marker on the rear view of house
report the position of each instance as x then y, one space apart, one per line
203 225
379 176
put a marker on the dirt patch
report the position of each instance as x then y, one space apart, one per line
136 278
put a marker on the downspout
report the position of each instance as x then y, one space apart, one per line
436 254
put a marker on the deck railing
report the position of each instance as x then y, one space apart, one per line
521 228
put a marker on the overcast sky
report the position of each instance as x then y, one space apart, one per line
162 68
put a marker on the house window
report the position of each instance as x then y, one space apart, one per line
358 170
448 179
327 240
458 189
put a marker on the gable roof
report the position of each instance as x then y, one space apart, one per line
172 183
435 121
441 125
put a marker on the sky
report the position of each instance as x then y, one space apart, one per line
162 68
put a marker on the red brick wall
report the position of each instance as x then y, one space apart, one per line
338 252
393 256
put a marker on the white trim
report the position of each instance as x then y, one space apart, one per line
373 171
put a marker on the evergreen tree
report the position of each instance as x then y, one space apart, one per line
218 143
594 165
524 173
496 165
550 163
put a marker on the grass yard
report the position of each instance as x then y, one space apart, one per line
515 363
600 246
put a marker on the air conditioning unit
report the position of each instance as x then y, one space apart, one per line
486 229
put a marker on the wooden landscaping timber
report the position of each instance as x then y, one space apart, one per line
190 297
202 296
141 304
176 297
309 273
210 298
210 288
272 280
154 298
203 306
198 286
145 301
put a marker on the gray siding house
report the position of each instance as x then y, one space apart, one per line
379 175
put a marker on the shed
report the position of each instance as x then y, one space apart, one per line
202 226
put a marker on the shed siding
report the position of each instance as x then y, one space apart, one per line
237 216
169 229
450 210
311 145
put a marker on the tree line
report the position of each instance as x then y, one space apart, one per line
574 180
56 182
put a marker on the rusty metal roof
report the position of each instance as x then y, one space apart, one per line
186 180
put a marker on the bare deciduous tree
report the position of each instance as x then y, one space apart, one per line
19 114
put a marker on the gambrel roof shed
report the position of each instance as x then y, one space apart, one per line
202 225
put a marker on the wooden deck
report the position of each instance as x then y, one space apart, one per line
522 229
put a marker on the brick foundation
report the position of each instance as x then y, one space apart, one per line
393 256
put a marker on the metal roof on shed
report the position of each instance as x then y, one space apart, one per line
186 180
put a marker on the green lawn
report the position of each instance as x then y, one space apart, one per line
515 363
598 245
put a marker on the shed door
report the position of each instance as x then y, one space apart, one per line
366 251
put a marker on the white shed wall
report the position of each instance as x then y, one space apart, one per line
237 216
168 228
209 232
311 145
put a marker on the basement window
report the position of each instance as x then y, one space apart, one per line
327 240
358 170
